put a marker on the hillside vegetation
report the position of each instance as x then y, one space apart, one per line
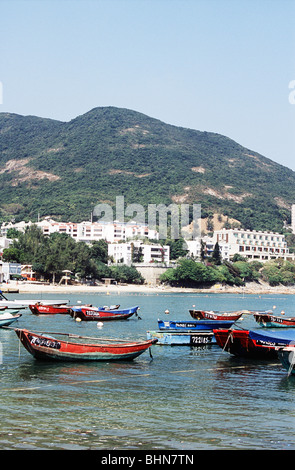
64 169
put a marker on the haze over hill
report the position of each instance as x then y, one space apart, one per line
64 169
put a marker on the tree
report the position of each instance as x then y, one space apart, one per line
128 274
137 254
216 256
190 272
203 250
178 248
99 251
11 255
30 244
12 233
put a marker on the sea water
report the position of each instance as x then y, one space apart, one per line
180 399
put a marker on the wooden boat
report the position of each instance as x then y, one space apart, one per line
287 358
183 338
249 343
95 313
185 325
40 309
44 346
210 315
267 320
9 317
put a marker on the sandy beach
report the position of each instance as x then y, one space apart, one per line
250 288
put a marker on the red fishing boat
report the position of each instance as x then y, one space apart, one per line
95 313
46 347
249 343
210 315
40 309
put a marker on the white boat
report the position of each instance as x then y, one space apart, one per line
23 303
8 318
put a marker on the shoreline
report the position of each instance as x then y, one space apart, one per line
250 288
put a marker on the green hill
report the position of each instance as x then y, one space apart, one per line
64 169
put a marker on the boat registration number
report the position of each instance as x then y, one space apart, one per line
92 313
200 339
46 342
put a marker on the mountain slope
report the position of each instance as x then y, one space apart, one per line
64 169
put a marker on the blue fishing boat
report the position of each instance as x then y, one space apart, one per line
271 338
185 325
251 343
95 313
182 338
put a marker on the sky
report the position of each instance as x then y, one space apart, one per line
224 66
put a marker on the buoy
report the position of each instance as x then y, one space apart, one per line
99 324
167 311
283 312
78 319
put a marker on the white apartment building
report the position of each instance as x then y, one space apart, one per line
123 252
254 245
194 247
89 231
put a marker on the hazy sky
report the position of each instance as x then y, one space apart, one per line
217 65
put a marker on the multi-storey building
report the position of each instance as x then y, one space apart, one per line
89 231
254 245
133 252
195 247
258 245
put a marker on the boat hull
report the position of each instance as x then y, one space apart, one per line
206 315
193 338
9 320
47 348
247 343
272 321
37 309
287 358
194 325
95 314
